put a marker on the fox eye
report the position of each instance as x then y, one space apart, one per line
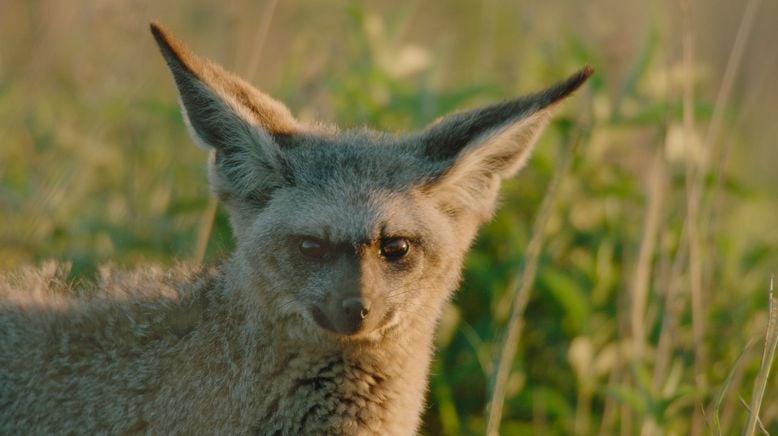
313 248
395 248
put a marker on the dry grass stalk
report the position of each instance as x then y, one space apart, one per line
729 383
771 341
642 276
671 313
733 67
697 223
205 229
694 173
260 35
521 293
719 150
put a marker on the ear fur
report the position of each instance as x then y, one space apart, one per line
231 117
475 150
195 76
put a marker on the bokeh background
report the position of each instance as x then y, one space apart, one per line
649 307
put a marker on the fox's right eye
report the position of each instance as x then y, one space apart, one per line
313 248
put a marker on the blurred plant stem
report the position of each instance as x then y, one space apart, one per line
725 91
260 36
521 293
209 215
760 384
204 229
671 312
694 185
642 273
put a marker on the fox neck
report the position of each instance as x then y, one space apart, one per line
377 387
378 383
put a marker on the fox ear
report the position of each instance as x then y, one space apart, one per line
229 116
473 151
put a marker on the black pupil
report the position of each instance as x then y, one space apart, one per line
395 248
312 248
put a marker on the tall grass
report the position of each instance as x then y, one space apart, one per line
522 291
770 344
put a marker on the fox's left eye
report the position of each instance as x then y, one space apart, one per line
314 248
395 248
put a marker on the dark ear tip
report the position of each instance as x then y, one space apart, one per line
576 80
173 50
166 41
159 32
564 88
583 75
155 27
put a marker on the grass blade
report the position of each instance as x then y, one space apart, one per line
771 340
522 292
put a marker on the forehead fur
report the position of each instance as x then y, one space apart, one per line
345 214
354 160
357 185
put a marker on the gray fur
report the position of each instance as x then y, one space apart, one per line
264 343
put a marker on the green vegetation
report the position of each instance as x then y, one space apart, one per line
649 306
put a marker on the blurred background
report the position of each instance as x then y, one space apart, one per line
648 309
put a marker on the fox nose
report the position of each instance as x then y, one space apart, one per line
355 310
349 315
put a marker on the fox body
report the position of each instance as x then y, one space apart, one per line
348 245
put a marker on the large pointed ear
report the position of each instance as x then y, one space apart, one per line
473 151
229 116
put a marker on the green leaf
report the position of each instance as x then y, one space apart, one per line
569 294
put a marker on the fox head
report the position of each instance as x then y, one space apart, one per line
351 232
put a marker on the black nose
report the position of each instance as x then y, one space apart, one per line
355 310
